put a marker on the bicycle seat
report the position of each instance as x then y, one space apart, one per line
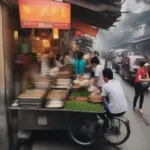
109 115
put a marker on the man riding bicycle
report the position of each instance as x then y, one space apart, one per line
84 128
113 96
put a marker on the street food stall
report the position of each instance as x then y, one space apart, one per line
47 101
52 103
49 97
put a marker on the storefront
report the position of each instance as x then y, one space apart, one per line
15 41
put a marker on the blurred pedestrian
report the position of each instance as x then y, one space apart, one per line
68 59
142 79
97 69
59 60
45 63
108 62
96 54
80 64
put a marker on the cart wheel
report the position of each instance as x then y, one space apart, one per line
22 144
24 147
82 130
118 132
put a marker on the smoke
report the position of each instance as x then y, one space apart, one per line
105 40
143 1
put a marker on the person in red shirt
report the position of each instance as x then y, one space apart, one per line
142 78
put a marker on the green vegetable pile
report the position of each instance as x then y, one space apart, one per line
82 93
83 105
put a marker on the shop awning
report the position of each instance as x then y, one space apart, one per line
84 27
96 5
98 13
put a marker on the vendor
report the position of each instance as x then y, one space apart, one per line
52 58
80 64
96 54
97 68
68 59
87 56
45 63
59 60
91 55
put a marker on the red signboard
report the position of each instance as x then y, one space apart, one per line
44 14
85 28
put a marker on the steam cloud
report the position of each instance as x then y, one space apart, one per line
143 1
123 30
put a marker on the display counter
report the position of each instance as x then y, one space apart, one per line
54 119
35 114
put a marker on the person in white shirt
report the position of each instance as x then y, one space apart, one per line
116 104
97 68
45 63
117 101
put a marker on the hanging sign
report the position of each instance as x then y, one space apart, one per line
84 28
44 14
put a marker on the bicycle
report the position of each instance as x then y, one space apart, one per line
85 130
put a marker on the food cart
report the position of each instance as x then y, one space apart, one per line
42 114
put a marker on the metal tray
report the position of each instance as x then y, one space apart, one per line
54 104
36 90
63 82
64 77
30 105
41 85
58 98
65 73
62 87
28 97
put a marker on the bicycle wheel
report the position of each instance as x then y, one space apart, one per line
82 130
118 131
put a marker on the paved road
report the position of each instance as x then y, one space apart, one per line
140 132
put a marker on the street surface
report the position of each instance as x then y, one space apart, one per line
140 131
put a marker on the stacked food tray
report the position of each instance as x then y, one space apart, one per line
32 98
96 98
63 83
68 68
42 83
65 74
56 98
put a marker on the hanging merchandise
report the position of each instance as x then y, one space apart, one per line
44 34
15 35
55 33
46 43
78 33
